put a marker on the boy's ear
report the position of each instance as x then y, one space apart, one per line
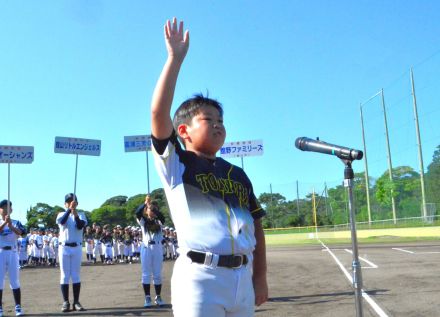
182 131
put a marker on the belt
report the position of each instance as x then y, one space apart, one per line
151 242
6 248
228 261
67 244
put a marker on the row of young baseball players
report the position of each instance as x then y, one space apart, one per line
121 245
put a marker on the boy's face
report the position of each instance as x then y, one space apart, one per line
4 210
206 133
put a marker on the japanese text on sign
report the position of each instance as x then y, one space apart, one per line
16 154
137 143
242 148
77 146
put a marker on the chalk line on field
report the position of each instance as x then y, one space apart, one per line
367 297
403 250
371 264
412 252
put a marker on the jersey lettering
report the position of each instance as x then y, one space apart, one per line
210 183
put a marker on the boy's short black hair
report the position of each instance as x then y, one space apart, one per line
191 107
4 203
70 197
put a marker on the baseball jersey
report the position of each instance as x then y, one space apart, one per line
55 242
212 202
69 232
151 228
8 238
39 241
107 239
22 243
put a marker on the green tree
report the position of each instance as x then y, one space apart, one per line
43 215
273 204
131 206
433 180
112 215
115 201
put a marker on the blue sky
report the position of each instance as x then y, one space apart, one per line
282 69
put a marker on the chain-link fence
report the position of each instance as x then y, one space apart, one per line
401 140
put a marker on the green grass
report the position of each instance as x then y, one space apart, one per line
283 240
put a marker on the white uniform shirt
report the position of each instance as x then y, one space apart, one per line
39 241
8 238
69 233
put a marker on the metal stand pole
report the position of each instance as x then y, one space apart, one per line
357 274
9 189
148 175
76 173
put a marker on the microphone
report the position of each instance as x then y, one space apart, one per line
345 153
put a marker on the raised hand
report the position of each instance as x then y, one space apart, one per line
176 41
147 200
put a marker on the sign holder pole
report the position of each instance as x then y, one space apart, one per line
9 189
242 165
148 174
15 154
76 174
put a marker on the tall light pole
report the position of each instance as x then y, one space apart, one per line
367 179
419 146
390 166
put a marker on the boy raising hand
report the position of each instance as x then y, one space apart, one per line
221 270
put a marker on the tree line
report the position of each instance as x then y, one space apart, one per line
331 204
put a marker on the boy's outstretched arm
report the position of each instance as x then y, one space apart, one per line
260 266
177 44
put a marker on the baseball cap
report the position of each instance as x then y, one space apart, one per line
70 197
4 203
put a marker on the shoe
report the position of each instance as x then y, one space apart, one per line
66 307
147 303
158 300
78 307
18 310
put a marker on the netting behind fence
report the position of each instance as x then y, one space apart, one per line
396 157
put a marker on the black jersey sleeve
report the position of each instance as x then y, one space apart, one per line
160 145
255 208
256 211
140 211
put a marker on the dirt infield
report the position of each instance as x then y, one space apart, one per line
303 281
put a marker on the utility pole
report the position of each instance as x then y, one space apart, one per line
419 146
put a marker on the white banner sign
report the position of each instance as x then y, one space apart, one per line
16 154
137 143
77 146
242 148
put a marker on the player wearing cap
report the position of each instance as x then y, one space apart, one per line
107 240
46 248
38 247
54 246
151 219
22 249
120 243
115 244
97 244
128 245
71 224
10 230
88 239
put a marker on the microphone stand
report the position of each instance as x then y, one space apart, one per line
356 266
